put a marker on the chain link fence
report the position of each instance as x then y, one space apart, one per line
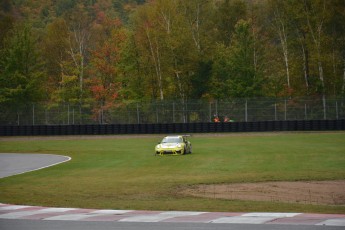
166 111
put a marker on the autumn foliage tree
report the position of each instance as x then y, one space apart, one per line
21 73
101 54
104 71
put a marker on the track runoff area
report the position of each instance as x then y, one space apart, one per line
9 211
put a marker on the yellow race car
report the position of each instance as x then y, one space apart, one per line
173 145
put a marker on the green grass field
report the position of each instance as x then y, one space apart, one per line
121 172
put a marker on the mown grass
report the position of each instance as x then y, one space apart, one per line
123 173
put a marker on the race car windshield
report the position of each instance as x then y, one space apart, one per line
172 140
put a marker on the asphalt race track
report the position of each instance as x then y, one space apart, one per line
77 225
20 217
15 163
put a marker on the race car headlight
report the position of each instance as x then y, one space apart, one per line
158 146
179 146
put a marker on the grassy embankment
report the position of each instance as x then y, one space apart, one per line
123 173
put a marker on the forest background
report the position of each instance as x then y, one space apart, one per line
109 53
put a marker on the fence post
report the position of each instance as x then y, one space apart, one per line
217 107
275 111
173 112
102 116
324 107
246 110
185 112
80 115
336 110
157 114
46 115
68 114
33 114
128 115
99 117
305 112
138 115
285 110
210 111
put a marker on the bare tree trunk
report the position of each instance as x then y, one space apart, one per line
182 95
323 89
305 55
280 27
167 21
77 52
194 24
156 62
343 86
179 81
286 59
255 37
305 67
159 71
316 35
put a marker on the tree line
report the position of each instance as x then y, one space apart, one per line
112 52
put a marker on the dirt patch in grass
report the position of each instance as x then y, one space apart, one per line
306 192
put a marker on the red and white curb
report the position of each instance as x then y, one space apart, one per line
8 211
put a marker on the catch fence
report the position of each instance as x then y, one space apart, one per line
168 111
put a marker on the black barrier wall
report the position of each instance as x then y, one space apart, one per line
260 126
